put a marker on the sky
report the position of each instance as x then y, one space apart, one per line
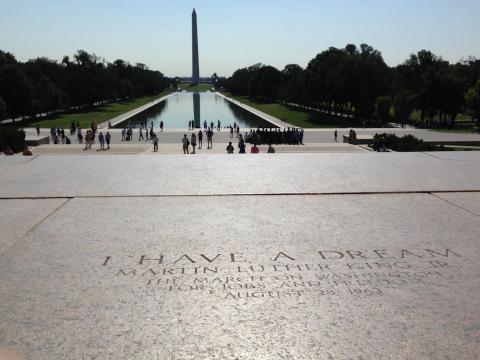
236 33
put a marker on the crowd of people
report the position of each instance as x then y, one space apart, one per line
289 136
260 136
58 136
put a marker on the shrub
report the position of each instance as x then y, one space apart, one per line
13 137
407 143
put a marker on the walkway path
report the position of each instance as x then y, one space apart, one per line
176 149
311 136
129 114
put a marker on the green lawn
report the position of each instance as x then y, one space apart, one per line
295 117
196 88
98 114
463 124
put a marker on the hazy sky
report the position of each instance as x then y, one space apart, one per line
236 33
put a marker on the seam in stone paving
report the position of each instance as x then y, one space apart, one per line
456 205
30 159
439 158
69 197
22 236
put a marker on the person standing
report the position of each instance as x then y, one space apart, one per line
38 130
238 131
254 149
335 134
200 139
161 126
211 125
123 134
230 148
241 147
270 150
205 125
209 138
218 125
107 139
140 134
231 132
185 144
193 140
101 140
155 142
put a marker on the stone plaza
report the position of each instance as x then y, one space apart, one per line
285 256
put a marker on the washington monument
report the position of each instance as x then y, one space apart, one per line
195 66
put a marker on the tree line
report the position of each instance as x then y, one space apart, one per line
43 85
355 82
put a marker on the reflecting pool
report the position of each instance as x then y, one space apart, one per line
180 108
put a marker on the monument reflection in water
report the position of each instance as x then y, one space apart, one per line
196 109
180 108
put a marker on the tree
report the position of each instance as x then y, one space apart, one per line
403 106
382 108
16 90
3 109
7 58
264 82
472 100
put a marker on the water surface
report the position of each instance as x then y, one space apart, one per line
180 108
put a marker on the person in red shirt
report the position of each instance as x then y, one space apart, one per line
254 149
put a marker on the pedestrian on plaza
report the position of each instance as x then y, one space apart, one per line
101 140
193 140
107 139
218 125
211 125
270 150
231 132
189 124
87 140
209 138
230 148
185 143
140 134
155 142
124 131
205 125
161 126
146 134
38 129
335 134
200 139
241 147
238 131
254 149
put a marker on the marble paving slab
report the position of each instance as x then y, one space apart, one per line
142 175
17 217
386 276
